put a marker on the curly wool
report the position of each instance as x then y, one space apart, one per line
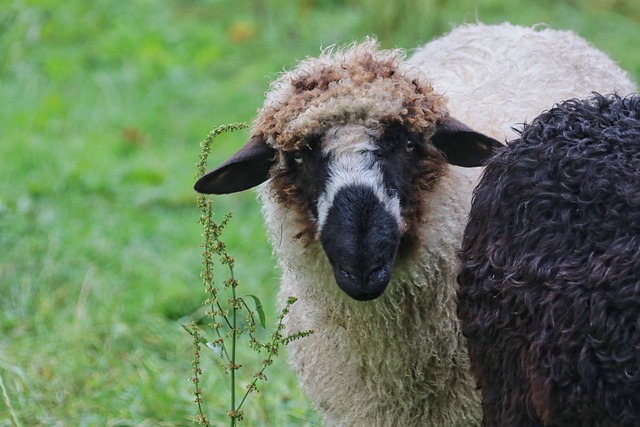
549 286
357 85
401 359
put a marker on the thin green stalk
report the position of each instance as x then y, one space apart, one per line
201 418
211 233
234 316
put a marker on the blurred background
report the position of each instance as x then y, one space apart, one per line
102 108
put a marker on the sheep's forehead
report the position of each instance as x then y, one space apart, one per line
361 86
350 139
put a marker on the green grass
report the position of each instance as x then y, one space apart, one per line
102 108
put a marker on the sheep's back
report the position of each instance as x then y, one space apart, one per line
496 77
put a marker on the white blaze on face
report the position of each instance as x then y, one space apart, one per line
352 162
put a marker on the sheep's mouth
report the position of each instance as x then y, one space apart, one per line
360 238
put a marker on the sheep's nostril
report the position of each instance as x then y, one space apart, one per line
378 274
350 274
374 272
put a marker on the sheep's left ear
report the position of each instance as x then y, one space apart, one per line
462 145
245 169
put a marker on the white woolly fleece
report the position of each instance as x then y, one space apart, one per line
515 71
400 359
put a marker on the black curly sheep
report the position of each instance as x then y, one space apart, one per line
549 294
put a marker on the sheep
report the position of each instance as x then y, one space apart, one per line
366 163
549 294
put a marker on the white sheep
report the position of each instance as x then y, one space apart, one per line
357 148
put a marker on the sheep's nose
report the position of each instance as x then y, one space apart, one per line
360 277
360 237
364 283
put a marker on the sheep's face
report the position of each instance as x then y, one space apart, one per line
353 144
358 190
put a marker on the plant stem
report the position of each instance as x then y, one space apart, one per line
234 316
276 340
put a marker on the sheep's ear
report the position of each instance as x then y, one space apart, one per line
245 169
462 145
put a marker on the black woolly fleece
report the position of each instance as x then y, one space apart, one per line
549 294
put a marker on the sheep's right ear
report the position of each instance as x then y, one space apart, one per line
462 145
245 169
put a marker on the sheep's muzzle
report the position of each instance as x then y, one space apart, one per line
360 238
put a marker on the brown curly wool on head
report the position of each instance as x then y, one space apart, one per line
360 85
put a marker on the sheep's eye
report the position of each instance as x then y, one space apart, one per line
297 157
410 145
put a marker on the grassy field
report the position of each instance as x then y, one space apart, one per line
102 108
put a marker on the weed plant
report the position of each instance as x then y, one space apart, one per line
223 315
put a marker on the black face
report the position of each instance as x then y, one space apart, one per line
400 157
307 168
360 231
